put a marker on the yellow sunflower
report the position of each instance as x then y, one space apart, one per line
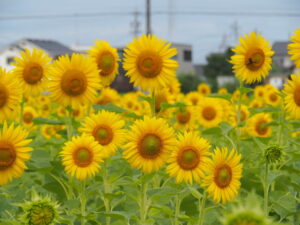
149 144
107 95
294 48
224 171
256 104
193 98
252 61
188 160
185 118
74 80
222 91
10 96
14 152
259 92
48 131
29 113
209 112
148 64
257 127
32 69
204 89
272 97
106 58
292 98
107 129
82 157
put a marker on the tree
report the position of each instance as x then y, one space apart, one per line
189 82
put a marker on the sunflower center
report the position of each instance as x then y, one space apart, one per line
3 96
261 128
254 59
183 117
209 113
273 97
297 96
106 62
83 157
194 101
203 91
103 134
7 156
41 214
27 117
150 146
188 159
73 82
149 64
243 115
223 176
33 73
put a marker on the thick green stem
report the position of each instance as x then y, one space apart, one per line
21 111
177 210
83 204
266 190
107 189
69 124
143 203
202 209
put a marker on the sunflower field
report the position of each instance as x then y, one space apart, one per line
75 151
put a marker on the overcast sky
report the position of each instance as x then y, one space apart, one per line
275 19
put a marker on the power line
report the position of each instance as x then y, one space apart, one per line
184 13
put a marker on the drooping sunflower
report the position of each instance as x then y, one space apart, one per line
148 64
149 144
252 61
10 95
82 157
204 89
14 152
32 69
106 58
292 98
107 129
209 112
224 171
188 160
257 125
294 48
74 80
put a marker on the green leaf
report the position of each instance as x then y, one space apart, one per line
165 106
269 109
41 120
113 108
212 131
195 192
245 90
118 215
223 96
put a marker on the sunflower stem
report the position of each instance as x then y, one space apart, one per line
266 190
21 111
177 210
143 203
83 204
239 117
153 103
106 190
69 124
202 209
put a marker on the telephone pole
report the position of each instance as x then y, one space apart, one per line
148 16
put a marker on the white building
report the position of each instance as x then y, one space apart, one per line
52 48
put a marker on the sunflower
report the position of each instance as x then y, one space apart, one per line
257 125
32 69
252 61
48 131
188 160
149 144
292 98
193 98
259 92
107 95
185 118
148 64
107 129
204 89
224 171
10 95
256 104
14 152
29 114
210 112
74 80
222 91
81 157
294 48
161 97
106 58
272 97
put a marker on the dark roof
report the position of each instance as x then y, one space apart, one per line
52 47
280 47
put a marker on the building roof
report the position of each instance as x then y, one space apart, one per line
280 47
52 47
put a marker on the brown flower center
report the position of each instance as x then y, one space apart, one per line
33 73
183 117
7 155
73 82
254 59
103 134
273 97
106 63
83 157
188 159
27 117
3 96
150 146
149 64
261 128
297 96
223 176
209 113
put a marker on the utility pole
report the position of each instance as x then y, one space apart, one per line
135 24
148 17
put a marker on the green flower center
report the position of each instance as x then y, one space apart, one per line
188 158
223 176
149 64
41 214
83 157
33 73
106 63
150 146
103 134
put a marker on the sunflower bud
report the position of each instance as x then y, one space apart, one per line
274 154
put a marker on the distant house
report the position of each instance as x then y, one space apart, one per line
281 56
52 48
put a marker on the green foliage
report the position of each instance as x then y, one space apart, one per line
189 82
